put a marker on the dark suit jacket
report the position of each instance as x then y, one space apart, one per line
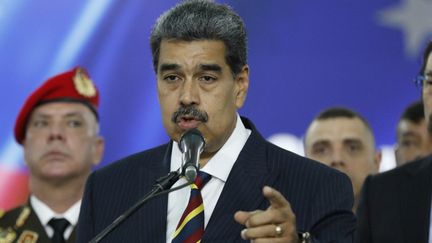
320 197
395 206
31 223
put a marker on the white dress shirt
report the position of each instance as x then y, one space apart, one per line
45 214
219 167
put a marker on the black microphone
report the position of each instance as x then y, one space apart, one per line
191 145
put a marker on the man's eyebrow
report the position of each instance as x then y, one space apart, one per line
168 67
321 142
73 114
211 67
352 140
408 134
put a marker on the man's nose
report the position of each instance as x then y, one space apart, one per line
189 94
337 160
56 132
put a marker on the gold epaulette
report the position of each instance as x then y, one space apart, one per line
28 236
7 235
22 218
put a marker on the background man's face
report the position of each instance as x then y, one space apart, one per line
195 74
61 141
427 94
413 141
344 144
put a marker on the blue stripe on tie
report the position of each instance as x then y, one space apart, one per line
187 231
192 229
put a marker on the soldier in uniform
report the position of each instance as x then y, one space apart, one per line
58 127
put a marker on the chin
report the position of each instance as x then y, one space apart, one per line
56 171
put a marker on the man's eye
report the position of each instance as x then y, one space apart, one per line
321 150
408 143
40 123
353 147
74 123
207 79
171 78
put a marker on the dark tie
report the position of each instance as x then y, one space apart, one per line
191 225
59 225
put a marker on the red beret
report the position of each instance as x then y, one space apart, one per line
73 86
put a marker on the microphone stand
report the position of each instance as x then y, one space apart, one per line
163 183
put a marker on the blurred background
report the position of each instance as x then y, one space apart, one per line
304 56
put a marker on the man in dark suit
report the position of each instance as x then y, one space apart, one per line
395 206
199 56
58 129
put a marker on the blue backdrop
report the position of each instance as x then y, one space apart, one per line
304 56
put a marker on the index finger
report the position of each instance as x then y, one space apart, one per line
277 200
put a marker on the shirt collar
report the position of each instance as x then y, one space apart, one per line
45 214
219 166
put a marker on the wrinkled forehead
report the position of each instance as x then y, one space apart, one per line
176 54
62 109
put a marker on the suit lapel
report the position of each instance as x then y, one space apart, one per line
242 190
415 203
153 215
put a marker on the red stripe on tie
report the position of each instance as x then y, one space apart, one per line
193 230
194 203
195 237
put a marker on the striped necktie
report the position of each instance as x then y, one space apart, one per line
191 225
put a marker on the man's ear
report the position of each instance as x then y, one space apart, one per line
242 86
99 150
377 159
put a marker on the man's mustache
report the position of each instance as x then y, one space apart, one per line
191 112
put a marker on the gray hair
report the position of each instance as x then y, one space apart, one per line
203 20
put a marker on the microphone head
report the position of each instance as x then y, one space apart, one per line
191 137
191 145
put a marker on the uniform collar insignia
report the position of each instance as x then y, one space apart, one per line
25 213
7 235
28 236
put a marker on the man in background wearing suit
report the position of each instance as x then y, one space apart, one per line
395 206
343 139
413 139
257 191
58 129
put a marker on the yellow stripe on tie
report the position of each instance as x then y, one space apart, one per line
191 215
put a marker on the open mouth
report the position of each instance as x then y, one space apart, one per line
187 122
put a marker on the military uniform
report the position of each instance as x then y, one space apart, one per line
22 225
